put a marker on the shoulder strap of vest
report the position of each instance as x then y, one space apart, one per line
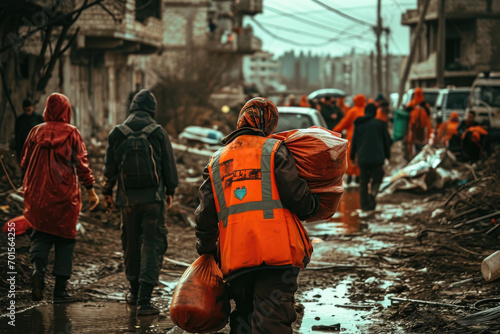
267 205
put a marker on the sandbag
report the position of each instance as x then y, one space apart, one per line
320 156
200 303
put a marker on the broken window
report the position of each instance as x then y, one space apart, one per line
147 8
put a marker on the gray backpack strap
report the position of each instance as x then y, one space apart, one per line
124 129
150 128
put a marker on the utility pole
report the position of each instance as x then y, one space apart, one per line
378 33
387 65
413 49
440 45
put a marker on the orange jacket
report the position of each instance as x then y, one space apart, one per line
419 119
381 115
477 132
347 122
448 129
254 227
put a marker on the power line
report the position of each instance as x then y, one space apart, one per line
319 25
338 12
300 32
289 41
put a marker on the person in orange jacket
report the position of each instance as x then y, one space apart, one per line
419 130
383 111
473 142
342 106
251 203
347 123
303 102
448 133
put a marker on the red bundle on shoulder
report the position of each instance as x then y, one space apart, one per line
320 155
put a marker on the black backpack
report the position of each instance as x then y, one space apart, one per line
138 166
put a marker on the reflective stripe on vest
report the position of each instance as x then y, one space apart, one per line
267 205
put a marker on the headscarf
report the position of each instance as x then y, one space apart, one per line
454 117
254 111
418 97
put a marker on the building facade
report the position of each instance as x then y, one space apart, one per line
263 71
469 44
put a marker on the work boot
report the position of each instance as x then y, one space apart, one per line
131 297
37 285
60 294
144 306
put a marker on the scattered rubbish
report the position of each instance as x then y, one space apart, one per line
327 328
316 240
416 301
487 317
432 168
490 267
205 135
356 306
179 263
437 212
372 280
465 281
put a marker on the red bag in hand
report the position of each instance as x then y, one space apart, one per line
320 155
19 225
200 303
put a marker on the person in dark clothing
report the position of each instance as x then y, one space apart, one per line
141 193
330 112
468 122
257 235
371 145
24 124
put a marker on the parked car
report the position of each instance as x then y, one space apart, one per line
449 100
485 99
291 118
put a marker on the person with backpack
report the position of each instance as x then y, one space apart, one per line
140 159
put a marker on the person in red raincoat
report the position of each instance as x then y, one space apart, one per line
54 155
347 123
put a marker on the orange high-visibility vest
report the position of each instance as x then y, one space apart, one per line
254 227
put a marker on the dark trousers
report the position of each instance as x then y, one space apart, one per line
264 301
42 242
144 241
369 175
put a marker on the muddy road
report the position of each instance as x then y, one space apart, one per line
407 248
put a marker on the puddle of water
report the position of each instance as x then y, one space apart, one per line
85 318
320 308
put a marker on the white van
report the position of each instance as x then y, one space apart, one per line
484 99
450 100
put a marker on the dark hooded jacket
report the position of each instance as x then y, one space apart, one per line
142 112
293 190
371 142
54 155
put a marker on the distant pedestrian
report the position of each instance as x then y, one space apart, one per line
54 156
140 158
419 126
24 124
347 123
292 102
371 146
468 122
383 111
303 102
330 112
251 204
474 143
448 135
340 102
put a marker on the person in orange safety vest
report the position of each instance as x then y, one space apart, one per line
448 135
347 123
251 204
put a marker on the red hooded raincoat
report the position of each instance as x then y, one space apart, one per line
54 154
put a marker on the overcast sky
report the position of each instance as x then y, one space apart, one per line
286 21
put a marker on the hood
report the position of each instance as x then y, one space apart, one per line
359 100
259 113
418 97
370 112
454 117
57 109
144 101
